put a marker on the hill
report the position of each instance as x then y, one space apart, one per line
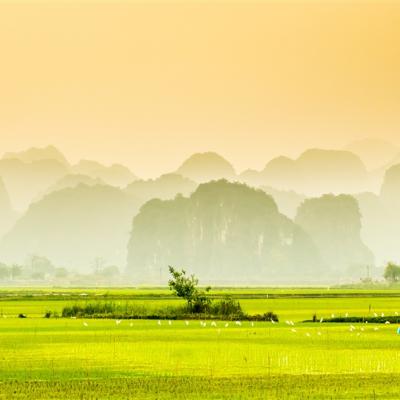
334 224
204 167
224 232
74 226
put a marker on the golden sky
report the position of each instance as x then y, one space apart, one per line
147 84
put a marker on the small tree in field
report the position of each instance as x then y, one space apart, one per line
392 273
186 287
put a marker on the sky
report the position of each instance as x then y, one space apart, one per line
148 84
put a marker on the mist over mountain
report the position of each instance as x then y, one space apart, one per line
37 154
31 173
74 226
223 232
71 181
381 218
287 201
164 187
7 215
26 180
73 214
376 153
317 172
334 224
204 167
114 175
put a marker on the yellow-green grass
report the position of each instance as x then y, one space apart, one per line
102 359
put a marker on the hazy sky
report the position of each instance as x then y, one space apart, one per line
149 84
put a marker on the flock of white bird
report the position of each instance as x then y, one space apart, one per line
291 323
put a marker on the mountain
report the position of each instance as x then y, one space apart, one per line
317 172
114 175
224 232
74 226
7 215
26 180
390 191
71 181
334 224
381 218
379 230
374 152
288 201
37 154
165 187
204 167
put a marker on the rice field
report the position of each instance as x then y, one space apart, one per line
147 359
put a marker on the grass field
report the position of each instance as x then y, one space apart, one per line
101 359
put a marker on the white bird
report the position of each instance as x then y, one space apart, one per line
382 314
131 324
159 322
238 323
333 315
287 322
85 324
362 329
226 325
376 329
169 322
252 323
272 321
319 333
396 313
346 315
375 314
213 323
321 320
187 323
293 330
308 335
117 321
387 323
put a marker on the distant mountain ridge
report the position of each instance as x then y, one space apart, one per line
313 173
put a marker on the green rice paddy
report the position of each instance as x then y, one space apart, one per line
106 359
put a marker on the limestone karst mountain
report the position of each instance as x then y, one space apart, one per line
37 154
223 232
31 173
114 175
381 218
204 167
314 173
71 181
334 224
74 226
375 153
26 180
318 171
287 201
7 215
164 187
